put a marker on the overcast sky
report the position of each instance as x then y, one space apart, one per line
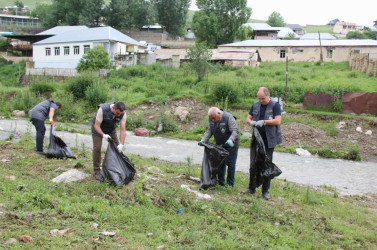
318 12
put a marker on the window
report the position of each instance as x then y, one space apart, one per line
76 50
282 53
86 48
57 51
356 51
66 50
48 51
329 53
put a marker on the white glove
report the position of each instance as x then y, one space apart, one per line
120 147
259 123
106 136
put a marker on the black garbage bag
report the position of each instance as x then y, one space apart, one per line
264 167
117 168
57 147
213 158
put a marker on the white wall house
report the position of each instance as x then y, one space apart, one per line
65 50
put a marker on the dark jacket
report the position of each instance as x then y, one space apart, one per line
109 123
41 110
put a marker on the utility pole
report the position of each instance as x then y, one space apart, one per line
286 80
320 46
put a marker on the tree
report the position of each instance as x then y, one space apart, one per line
46 16
355 35
199 57
245 33
291 36
276 20
95 59
172 15
92 13
219 21
19 4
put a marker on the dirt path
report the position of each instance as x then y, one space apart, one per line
347 177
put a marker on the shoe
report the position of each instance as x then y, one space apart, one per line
248 191
98 176
266 195
41 153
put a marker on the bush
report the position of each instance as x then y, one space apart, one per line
168 124
135 121
78 85
225 91
96 94
25 101
44 88
71 108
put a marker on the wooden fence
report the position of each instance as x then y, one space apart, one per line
364 62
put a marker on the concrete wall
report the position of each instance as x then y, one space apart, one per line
305 54
146 58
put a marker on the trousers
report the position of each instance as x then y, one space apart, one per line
230 161
97 146
40 133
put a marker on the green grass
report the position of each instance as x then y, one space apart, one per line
143 213
318 28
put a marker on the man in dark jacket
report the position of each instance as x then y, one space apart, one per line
104 124
225 130
39 114
265 115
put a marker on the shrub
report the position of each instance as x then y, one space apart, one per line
71 108
225 91
43 88
135 121
78 85
168 124
116 83
25 101
96 94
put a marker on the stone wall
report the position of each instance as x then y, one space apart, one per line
21 30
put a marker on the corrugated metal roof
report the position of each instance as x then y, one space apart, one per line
285 31
90 34
300 43
314 36
61 29
260 26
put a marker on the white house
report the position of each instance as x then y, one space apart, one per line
65 49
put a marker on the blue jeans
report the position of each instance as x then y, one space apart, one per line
40 134
230 161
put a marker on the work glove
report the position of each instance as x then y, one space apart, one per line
199 143
51 122
120 147
259 123
229 143
253 123
106 136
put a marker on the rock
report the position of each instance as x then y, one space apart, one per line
141 131
71 175
167 113
10 240
149 234
363 114
182 113
247 134
108 233
56 232
151 117
159 129
358 129
340 125
12 178
160 248
303 152
144 108
94 225
198 194
25 239
369 132
18 113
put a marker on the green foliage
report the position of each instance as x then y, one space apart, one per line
96 93
168 124
95 59
92 13
44 88
25 100
135 121
172 15
275 19
4 45
78 85
219 22
356 35
223 92
9 72
72 108
199 57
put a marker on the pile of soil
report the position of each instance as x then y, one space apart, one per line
293 134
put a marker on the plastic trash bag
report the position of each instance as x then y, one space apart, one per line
264 167
117 168
213 159
57 147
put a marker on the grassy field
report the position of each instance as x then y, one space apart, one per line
143 213
318 28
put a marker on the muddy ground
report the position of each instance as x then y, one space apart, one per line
294 134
